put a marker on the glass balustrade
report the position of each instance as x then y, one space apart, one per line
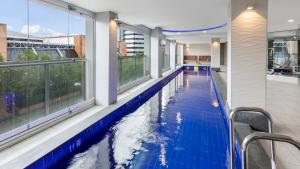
31 90
131 69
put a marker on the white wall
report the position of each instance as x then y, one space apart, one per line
180 53
156 64
197 49
247 54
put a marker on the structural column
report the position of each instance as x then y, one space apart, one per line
89 56
180 54
215 54
106 77
172 54
247 53
156 58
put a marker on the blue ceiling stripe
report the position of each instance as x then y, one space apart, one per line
194 30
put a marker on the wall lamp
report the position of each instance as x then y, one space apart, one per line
116 18
250 6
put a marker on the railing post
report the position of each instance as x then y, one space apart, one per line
83 80
144 65
47 88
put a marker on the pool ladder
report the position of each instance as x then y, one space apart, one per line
256 136
264 136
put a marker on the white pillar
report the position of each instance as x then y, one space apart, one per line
89 56
247 53
215 54
106 58
180 53
172 54
156 64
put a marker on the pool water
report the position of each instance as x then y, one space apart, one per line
180 127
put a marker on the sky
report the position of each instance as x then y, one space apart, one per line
43 20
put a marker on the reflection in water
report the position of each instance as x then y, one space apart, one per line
129 134
178 121
187 83
215 103
93 158
163 155
178 118
126 138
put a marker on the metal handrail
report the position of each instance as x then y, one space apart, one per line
233 113
130 57
264 136
34 63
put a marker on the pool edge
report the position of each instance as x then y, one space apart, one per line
226 119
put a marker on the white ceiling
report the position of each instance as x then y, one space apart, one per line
189 14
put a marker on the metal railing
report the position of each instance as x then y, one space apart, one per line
33 63
264 136
233 114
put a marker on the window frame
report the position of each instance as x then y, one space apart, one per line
28 129
147 36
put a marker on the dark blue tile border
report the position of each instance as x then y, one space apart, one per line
238 153
200 68
75 143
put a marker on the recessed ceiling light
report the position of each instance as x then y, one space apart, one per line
291 20
178 33
204 31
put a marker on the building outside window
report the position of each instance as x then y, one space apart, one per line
43 62
133 56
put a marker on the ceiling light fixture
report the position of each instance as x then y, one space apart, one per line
291 20
204 31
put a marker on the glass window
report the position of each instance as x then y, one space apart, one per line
14 84
133 55
283 57
43 61
165 54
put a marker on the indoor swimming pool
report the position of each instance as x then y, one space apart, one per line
179 127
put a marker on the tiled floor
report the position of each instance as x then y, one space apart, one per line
283 105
